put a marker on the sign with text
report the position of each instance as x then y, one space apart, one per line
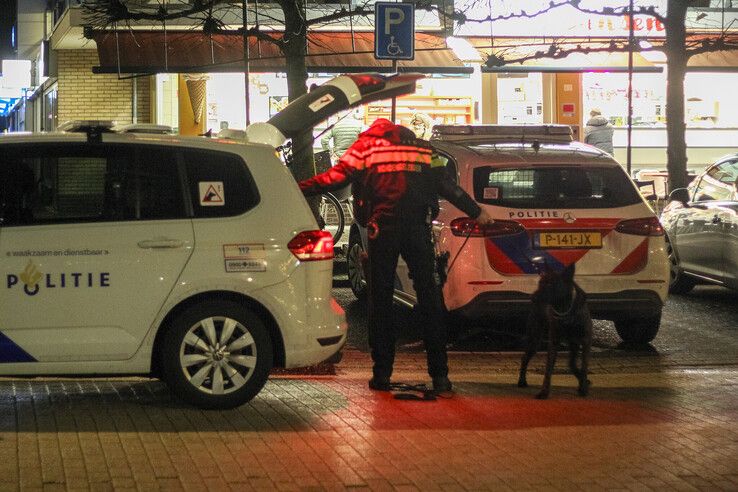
394 31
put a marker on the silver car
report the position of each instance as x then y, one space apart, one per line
701 224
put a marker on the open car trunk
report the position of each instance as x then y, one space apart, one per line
338 94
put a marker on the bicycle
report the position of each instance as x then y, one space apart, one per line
331 216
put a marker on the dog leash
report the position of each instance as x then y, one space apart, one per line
466 240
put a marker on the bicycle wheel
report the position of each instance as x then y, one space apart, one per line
331 216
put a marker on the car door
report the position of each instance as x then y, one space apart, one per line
728 217
700 230
90 248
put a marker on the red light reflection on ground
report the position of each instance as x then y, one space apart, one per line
465 411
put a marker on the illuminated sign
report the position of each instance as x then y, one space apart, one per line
16 74
533 18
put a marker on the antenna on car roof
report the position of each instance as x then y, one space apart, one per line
92 128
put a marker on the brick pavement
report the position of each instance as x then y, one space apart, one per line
659 429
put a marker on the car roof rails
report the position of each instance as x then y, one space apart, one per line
144 128
93 128
504 133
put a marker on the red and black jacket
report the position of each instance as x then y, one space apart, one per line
395 177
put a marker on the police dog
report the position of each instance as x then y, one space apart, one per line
559 309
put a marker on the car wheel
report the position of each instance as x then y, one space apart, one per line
216 355
638 331
679 283
355 266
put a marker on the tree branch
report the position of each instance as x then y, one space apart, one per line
621 11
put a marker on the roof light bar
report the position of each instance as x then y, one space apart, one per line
507 133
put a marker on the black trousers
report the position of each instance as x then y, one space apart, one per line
413 242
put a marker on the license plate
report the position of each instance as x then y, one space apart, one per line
568 240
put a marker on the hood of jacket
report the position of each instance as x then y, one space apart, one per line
598 120
384 128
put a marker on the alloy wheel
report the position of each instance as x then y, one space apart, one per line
673 263
218 355
355 270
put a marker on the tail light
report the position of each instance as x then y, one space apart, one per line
312 246
466 226
647 226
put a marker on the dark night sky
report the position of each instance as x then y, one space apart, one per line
7 19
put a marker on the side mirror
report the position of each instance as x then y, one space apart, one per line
680 195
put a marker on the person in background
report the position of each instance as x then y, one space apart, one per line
343 134
598 131
397 178
421 124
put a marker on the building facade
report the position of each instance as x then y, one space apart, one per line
196 83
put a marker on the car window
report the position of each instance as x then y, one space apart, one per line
220 183
61 183
719 183
573 187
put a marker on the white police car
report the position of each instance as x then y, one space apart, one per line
553 200
192 259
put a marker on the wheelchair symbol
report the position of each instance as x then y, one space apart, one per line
393 48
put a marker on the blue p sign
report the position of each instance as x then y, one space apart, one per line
394 31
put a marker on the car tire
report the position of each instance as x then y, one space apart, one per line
216 355
638 331
679 283
357 280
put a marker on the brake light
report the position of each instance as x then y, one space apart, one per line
466 226
367 83
647 226
312 246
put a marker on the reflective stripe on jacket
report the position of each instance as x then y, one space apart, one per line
396 176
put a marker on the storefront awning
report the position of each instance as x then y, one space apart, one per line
717 61
139 52
599 59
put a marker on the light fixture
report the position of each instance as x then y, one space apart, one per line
463 49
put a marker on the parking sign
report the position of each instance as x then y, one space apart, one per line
394 31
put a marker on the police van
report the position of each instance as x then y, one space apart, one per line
133 251
554 201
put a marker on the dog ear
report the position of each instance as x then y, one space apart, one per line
568 273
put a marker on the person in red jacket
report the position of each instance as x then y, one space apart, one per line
396 182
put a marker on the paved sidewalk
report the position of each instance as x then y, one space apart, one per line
672 429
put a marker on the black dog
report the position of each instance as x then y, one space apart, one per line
559 308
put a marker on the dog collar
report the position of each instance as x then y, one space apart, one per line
568 311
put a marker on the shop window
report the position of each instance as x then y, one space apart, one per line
609 93
520 98
50 109
225 101
167 103
709 99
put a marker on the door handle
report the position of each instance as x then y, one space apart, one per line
160 243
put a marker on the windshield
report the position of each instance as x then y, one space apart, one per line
554 187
